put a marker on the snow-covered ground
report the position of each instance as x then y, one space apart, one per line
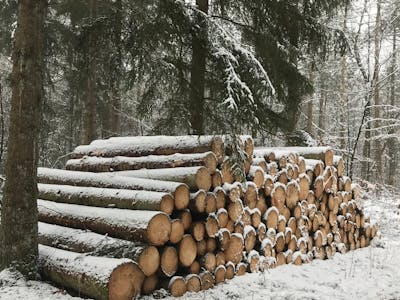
369 273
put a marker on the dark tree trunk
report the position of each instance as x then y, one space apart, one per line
19 208
89 103
198 70
115 92
393 144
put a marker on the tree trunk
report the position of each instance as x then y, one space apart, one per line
96 277
343 96
198 69
376 88
115 85
393 144
89 103
19 209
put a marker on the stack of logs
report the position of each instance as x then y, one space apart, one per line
175 212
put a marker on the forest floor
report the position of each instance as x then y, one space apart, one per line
368 273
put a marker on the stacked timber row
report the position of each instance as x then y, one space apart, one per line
180 214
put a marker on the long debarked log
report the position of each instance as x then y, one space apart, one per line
105 197
323 153
84 241
148 226
179 190
152 145
123 163
197 178
97 277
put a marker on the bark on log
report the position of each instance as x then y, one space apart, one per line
197 178
180 191
152 145
105 197
122 163
150 226
323 153
83 241
96 277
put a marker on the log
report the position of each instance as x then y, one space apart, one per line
193 283
209 262
187 250
207 280
109 180
169 261
95 277
256 174
177 286
83 241
177 231
123 163
149 284
233 251
197 202
152 145
105 197
197 178
323 153
220 273
148 226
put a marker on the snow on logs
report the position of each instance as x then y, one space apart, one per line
152 145
294 205
197 178
122 163
83 241
153 227
97 277
105 197
180 191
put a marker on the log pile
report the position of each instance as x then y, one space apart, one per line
181 213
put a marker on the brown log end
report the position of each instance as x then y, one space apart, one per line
187 250
169 261
177 286
125 282
182 197
159 229
149 260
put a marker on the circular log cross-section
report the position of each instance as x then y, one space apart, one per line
187 250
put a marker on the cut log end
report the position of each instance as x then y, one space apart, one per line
159 229
169 261
203 179
182 197
125 282
187 250
177 286
149 260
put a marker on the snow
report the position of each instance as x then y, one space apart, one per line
105 180
105 196
368 273
123 218
177 158
151 143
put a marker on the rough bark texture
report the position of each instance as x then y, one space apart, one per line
19 210
97 277
89 98
198 69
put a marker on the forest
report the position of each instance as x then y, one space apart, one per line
321 77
